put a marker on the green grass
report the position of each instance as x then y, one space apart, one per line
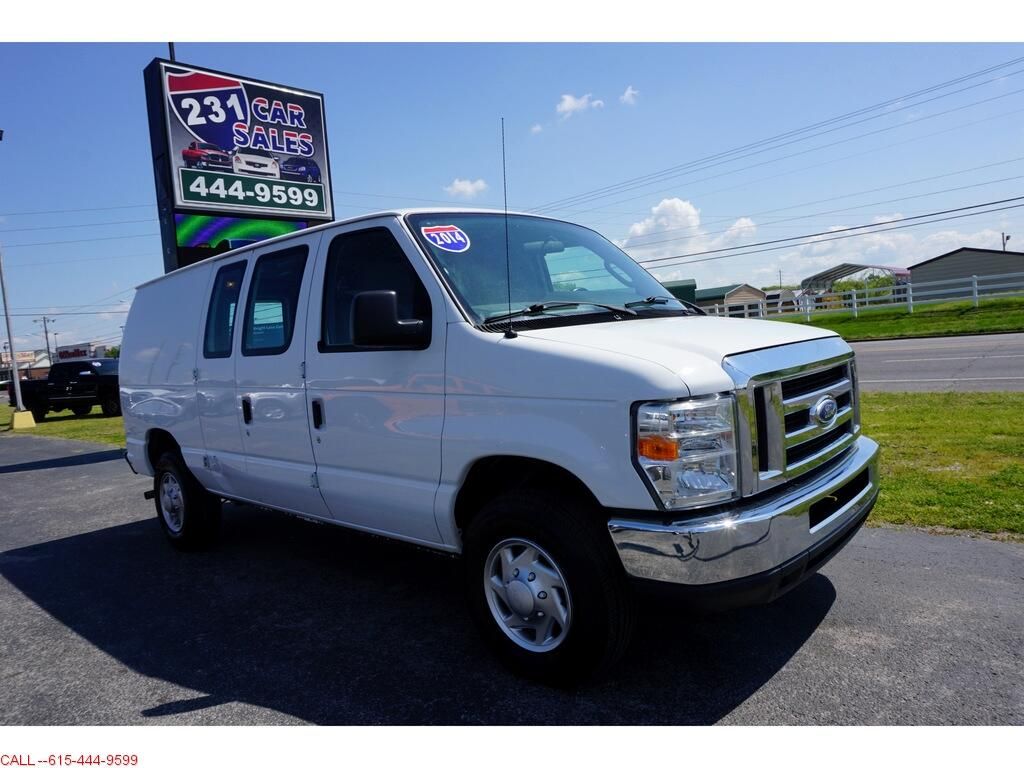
950 319
95 427
953 460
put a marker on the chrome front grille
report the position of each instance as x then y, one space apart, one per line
807 442
777 392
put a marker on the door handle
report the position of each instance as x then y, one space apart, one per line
247 410
318 413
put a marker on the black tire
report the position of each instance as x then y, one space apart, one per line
39 414
197 525
111 405
81 410
603 610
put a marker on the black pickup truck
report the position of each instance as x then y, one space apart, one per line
78 386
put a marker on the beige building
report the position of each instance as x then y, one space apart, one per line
740 300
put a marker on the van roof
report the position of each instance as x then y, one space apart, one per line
392 213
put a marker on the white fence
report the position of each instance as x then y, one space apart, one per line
975 289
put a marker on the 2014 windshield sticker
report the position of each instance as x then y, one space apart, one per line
447 237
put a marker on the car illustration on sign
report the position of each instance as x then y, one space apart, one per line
300 169
256 162
200 154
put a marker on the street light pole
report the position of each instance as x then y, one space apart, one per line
20 406
1006 239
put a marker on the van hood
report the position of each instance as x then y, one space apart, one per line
693 347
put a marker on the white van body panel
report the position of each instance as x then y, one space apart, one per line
279 459
538 398
220 415
378 451
692 347
403 428
158 354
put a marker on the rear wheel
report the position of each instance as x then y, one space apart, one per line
188 513
81 410
111 405
546 587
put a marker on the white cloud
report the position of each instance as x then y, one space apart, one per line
465 188
886 218
629 95
570 105
674 228
536 128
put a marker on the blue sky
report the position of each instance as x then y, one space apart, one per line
406 121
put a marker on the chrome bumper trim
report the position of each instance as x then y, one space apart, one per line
749 539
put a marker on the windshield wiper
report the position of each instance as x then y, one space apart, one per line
540 309
651 300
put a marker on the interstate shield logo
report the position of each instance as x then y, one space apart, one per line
447 237
208 106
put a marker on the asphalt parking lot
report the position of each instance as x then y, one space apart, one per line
988 363
292 622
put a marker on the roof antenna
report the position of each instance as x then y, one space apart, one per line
509 334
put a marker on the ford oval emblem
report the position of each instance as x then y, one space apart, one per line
825 410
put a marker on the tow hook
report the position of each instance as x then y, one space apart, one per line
149 495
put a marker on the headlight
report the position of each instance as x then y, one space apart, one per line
687 450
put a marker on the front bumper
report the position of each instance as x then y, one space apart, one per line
757 545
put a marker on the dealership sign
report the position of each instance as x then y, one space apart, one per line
241 146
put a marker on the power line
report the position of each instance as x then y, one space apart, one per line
817 148
838 237
87 240
640 246
813 166
79 210
790 133
850 194
833 231
74 226
103 312
82 261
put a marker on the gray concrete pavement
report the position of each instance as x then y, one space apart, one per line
288 622
993 363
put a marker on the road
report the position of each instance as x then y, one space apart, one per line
993 363
290 622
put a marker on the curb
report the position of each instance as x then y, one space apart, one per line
932 336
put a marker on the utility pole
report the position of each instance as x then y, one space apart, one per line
46 332
17 421
780 279
1006 239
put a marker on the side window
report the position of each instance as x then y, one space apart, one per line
273 302
367 260
220 318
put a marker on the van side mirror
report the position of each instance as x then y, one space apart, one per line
375 323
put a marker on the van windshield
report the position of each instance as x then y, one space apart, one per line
550 262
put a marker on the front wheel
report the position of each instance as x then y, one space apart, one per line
188 513
546 587
111 406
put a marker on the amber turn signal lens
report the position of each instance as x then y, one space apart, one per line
658 448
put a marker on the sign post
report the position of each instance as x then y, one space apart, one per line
235 160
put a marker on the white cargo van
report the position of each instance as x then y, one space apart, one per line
555 417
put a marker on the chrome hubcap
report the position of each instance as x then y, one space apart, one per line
172 503
527 595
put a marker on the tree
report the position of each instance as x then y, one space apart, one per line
113 351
